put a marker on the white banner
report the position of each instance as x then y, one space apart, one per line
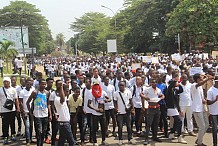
111 46
195 70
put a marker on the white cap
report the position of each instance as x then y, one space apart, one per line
6 79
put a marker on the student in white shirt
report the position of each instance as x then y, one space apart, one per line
96 103
198 104
212 97
109 106
28 121
19 65
136 91
124 107
8 115
185 103
60 103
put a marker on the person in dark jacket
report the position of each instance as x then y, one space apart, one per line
173 109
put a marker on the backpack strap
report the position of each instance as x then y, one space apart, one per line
134 90
83 96
115 83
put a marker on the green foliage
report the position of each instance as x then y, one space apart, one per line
94 30
196 21
39 33
60 40
6 51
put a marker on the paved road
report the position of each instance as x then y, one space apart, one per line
139 140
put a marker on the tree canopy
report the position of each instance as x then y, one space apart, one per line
21 12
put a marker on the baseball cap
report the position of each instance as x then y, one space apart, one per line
6 79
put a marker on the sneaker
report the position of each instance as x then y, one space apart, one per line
28 144
181 140
120 142
185 131
191 134
145 142
201 144
18 133
5 141
114 134
95 144
47 141
171 136
13 138
131 142
104 143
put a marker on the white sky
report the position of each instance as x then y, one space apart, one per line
61 13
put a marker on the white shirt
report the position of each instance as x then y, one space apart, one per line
11 94
197 96
96 102
211 95
18 89
62 109
36 84
24 94
136 99
110 94
19 63
152 93
117 83
127 95
168 78
87 95
1 63
185 96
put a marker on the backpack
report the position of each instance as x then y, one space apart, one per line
134 90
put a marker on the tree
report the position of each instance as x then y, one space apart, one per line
142 25
6 51
94 30
60 40
21 12
196 22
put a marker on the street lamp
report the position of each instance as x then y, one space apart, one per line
115 19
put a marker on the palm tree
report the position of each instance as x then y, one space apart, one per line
60 40
7 51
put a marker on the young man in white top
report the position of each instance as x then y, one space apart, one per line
28 121
198 106
153 95
212 101
19 65
124 107
8 94
119 77
136 91
62 111
109 106
41 110
96 103
185 103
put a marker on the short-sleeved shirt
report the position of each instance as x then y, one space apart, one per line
127 95
110 94
211 95
96 102
24 94
152 93
11 94
197 96
74 104
62 110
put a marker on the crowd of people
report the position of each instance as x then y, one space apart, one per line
92 94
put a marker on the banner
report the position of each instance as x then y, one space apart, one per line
136 65
111 46
154 60
195 70
214 54
176 57
118 59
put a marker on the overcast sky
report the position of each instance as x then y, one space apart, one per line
60 13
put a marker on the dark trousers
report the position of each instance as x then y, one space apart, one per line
86 121
54 125
110 114
8 119
65 134
41 125
138 112
177 125
20 71
153 116
214 128
163 119
1 68
19 121
74 120
120 121
95 121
